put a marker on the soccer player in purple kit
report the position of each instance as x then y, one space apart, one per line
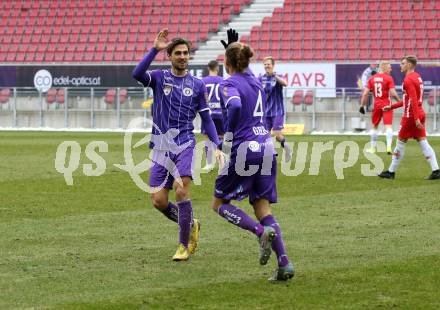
212 82
273 87
178 96
243 97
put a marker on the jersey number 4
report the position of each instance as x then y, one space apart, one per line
258 111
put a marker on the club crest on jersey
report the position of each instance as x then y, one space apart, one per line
167 88
187 91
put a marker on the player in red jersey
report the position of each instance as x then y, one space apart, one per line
382 86
413 120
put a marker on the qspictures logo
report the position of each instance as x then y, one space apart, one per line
308 159
43 80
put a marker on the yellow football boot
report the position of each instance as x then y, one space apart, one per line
182 253
194 237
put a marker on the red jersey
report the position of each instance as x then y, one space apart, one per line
412 96
380 84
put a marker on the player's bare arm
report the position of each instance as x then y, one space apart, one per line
394 94
280 80
393 106
398 104
364 100
220 157
364 97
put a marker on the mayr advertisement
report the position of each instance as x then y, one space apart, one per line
320 77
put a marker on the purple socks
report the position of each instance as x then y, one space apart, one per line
277 243
185 216
181 214
239 218
171 212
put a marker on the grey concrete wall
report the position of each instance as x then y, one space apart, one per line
329 114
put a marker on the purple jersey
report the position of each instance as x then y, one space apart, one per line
274 95
212 85
176 103
245 90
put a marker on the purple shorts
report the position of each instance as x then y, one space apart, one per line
274 122
260 185
218 122
167 165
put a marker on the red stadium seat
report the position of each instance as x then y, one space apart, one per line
110 95
60 98
122 95
297 98
5 93
308 55
51 95
72 23
433 97
39 57
308 98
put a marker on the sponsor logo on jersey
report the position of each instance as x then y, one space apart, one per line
187 91
167 88
214 105
254 146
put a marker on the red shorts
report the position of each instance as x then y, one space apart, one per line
377 115
409 130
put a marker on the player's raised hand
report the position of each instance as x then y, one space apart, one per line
232 37
161 40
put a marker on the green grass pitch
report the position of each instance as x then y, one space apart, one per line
357 243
